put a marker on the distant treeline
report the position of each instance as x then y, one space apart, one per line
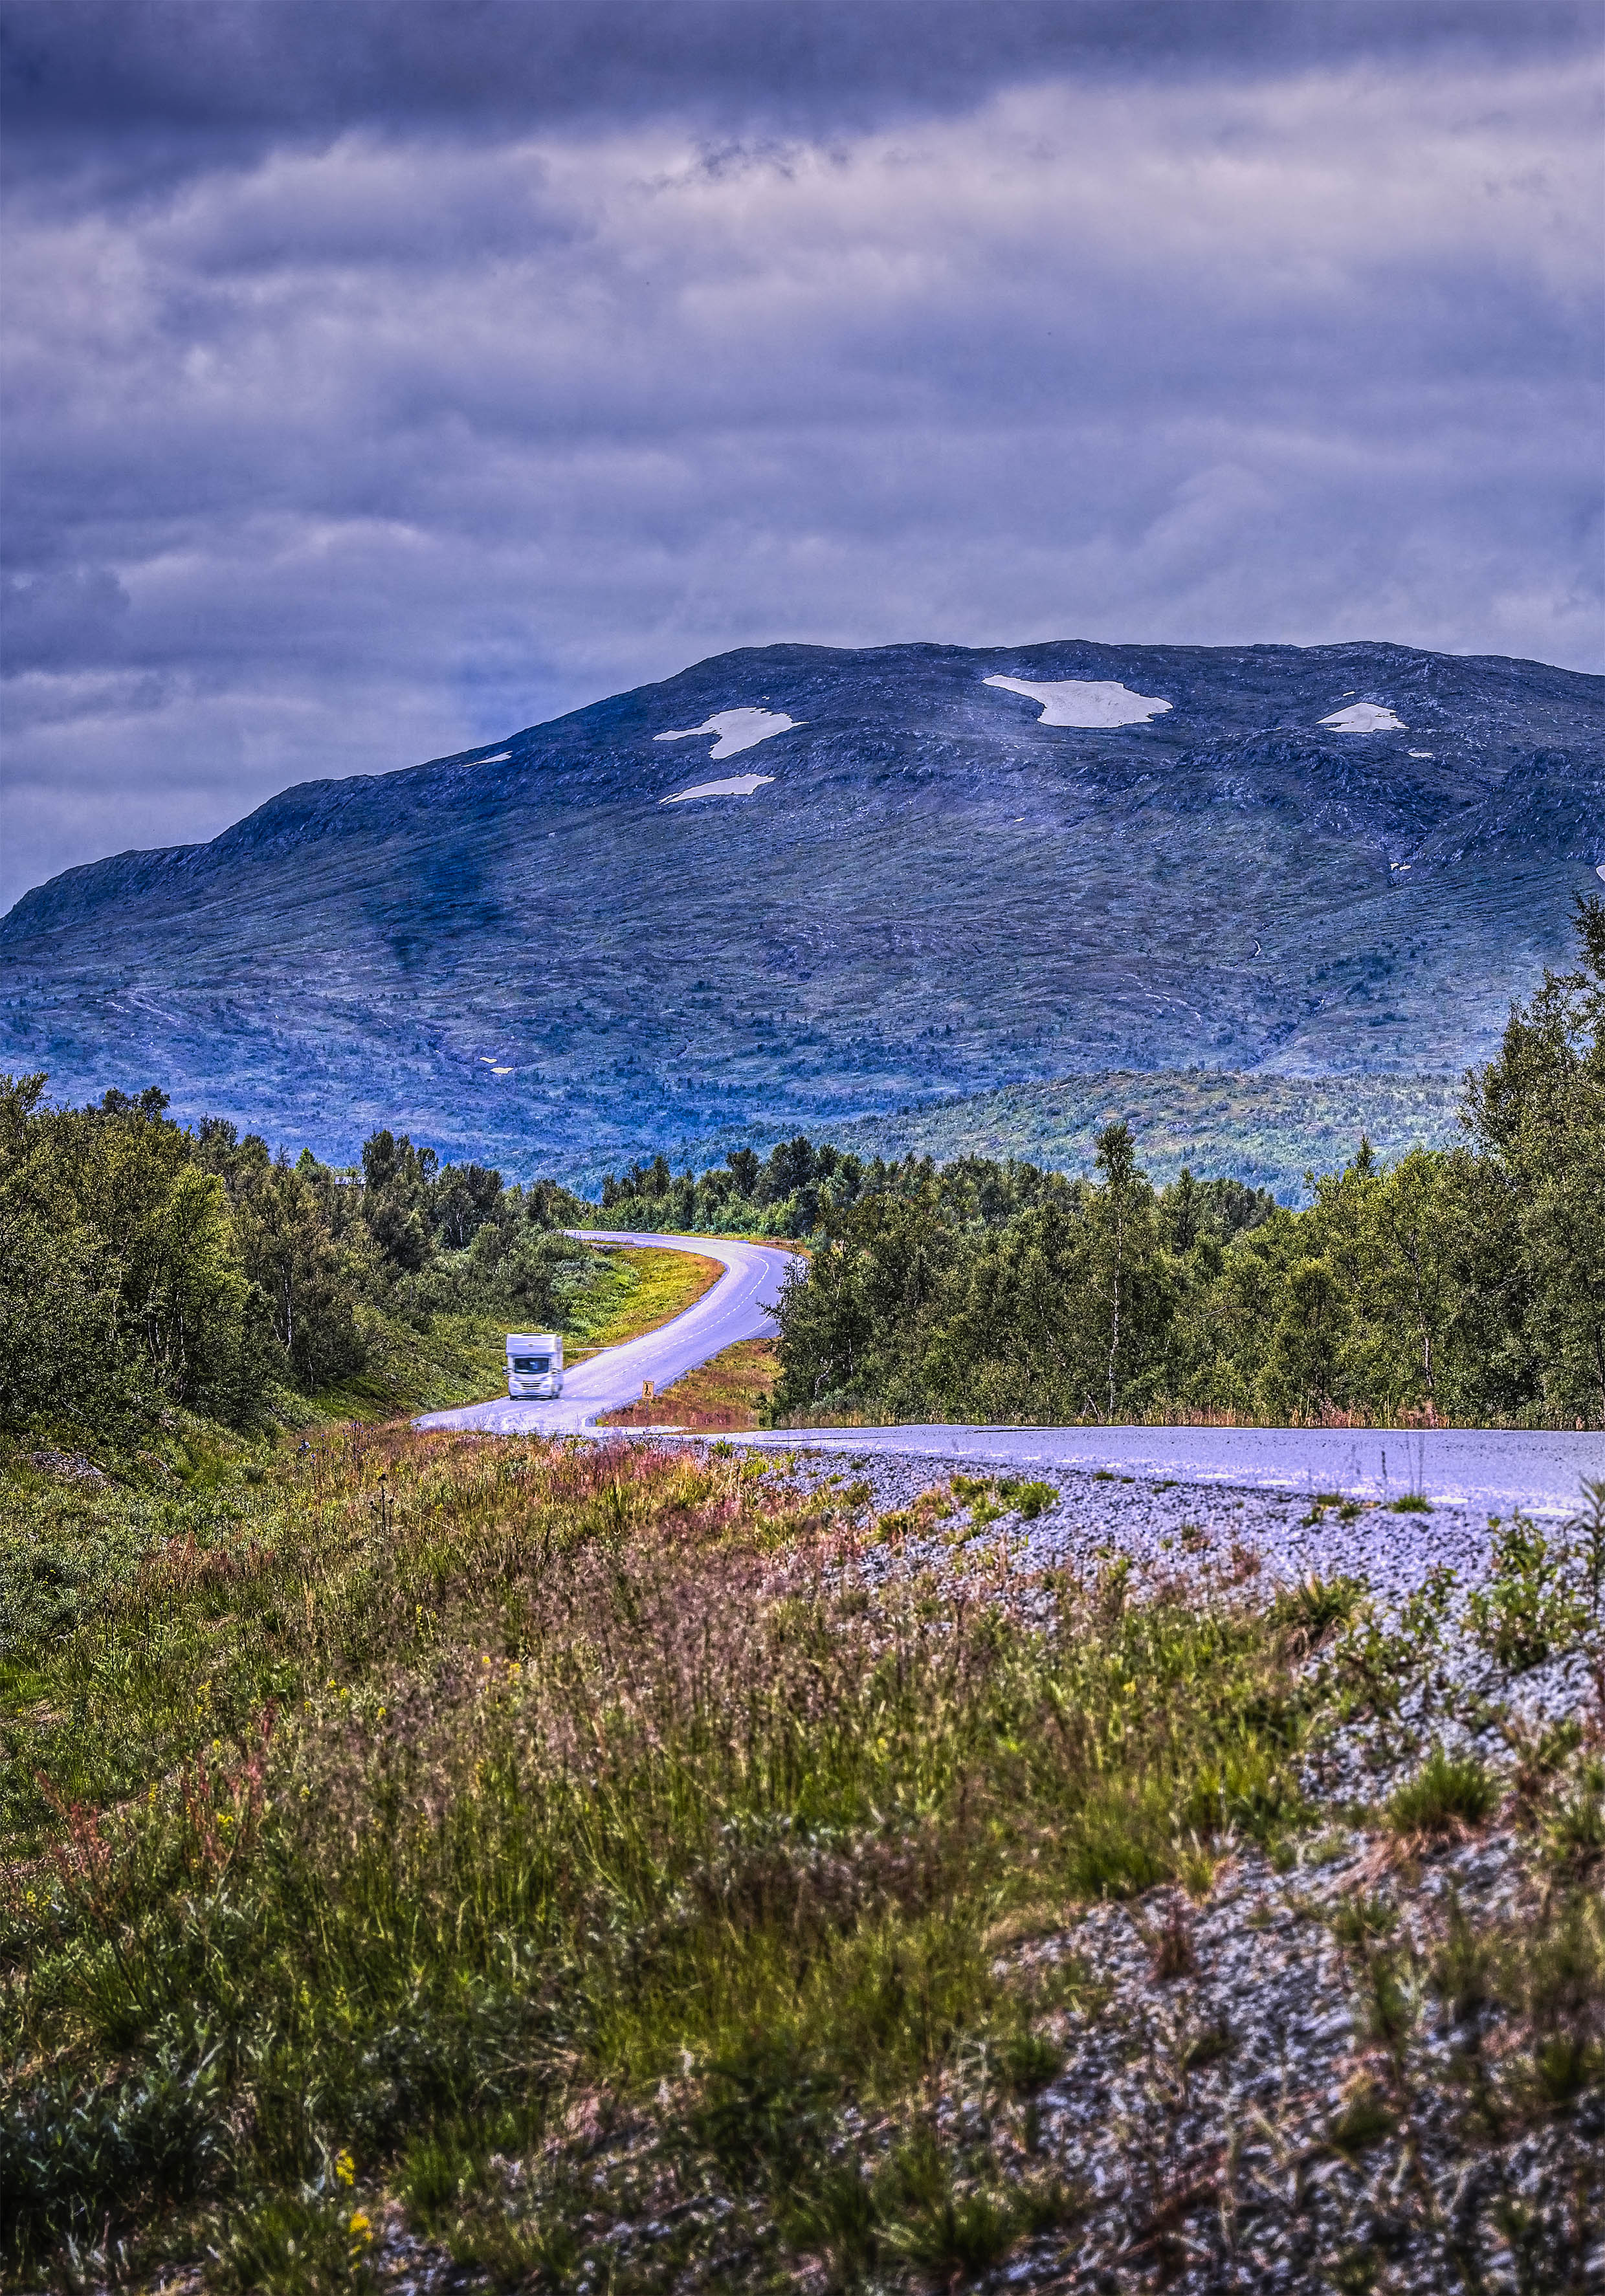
780 1194
142 1263
1269 1130
1466 1283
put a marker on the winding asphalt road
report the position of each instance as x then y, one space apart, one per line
737 1307
1470 1467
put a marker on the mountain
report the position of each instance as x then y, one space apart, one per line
527 953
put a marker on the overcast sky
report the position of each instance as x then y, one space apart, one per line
381 377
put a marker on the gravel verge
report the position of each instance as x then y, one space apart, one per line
1324 2073
1170 1528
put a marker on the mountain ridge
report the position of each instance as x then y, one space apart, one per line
346 794
935 892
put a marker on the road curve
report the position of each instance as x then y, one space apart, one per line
738 1307
1474 1467
1471 1467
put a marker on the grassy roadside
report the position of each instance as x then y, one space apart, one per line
452 1358
567 1858
457 1358
653 1286
461 1358
723 1396
79 1517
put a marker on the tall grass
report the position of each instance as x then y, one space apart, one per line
578 1845
466 1787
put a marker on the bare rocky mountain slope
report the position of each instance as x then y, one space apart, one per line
525 953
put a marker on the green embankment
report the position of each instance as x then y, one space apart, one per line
650 1287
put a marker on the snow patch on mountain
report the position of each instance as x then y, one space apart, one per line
1365 718
1084 700
738 785
737 729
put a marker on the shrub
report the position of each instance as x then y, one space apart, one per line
1573 1826
1446 1793
1315 1605
1588 1527
1029 1500
82 2156
1528 1610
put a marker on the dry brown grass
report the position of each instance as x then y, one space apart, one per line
723 1396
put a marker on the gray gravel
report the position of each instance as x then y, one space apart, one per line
1199 2110
1227 2084
1168 1529
1146 1518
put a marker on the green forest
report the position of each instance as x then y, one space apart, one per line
1465 1283
145 1265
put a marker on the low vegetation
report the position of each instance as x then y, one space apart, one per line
727 1395
566 1859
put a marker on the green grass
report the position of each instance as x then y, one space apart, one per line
726 1393
550 1839
455 1359
645 1287
1446 1793
423 1797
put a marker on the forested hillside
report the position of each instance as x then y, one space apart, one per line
1267 1131
1464 1284
145 1265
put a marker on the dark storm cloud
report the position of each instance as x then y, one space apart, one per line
115 65
381 378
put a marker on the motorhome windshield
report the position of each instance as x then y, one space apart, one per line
532 1362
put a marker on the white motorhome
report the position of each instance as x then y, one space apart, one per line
535 1364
